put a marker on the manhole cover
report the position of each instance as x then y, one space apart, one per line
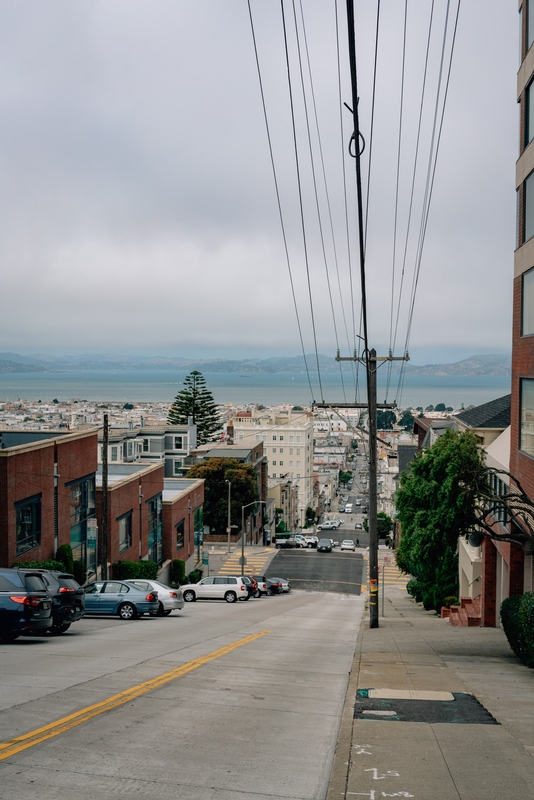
396 706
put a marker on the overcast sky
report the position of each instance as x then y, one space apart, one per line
138 204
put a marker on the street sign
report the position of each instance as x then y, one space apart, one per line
228 530
205 558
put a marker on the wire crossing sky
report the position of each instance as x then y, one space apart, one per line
139 209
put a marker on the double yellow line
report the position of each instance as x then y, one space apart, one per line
32 738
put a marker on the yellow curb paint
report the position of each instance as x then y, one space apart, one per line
32 738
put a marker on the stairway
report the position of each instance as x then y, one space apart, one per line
467 614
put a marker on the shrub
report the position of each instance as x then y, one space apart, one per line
50 564
80 572
526 616
194 576
127 570
513 626
450 601
64 554
414 588
177 572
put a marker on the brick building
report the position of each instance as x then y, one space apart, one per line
47 494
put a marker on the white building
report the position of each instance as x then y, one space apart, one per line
287 438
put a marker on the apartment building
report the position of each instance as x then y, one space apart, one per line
150 444
287 438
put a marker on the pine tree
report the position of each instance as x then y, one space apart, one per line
196 401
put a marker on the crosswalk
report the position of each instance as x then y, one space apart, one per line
256 558
389 572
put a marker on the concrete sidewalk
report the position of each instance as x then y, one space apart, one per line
380 756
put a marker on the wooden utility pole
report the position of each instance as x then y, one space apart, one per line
104 525
371 363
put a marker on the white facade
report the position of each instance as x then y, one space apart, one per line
287 438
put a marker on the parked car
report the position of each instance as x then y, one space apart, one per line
119 597
324 546
286 542
329 524
348 544
218 587
252 586
334 543
286 586
274 586
169 599
342 509
311 541
262 585
68 599
25 604
358 526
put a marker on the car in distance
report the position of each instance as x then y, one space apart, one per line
25 604
68 599
119 597
274 586
358 526
285 584
324 546
342 509
218 587
169 599
348 544
329 525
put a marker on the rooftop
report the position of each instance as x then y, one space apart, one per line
495 414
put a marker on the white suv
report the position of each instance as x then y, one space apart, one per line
219 587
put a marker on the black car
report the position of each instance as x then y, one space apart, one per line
274 585
324 546
251 584
25 604
68 599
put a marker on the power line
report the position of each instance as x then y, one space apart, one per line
277 190
301 207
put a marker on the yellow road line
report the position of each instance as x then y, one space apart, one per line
32 738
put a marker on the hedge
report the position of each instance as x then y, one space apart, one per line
517 616
177 572
126 570
56 566
194 576
64 554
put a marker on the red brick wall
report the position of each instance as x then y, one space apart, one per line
173 513
75 459
521 465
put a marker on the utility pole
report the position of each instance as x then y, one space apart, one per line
371 362
229 526
104 525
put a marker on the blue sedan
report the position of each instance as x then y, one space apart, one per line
117 597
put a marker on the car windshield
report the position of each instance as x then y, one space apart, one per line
68 583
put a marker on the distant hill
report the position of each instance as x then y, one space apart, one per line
478 365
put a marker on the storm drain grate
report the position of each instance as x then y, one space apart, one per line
461 709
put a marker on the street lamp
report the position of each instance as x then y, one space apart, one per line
254 503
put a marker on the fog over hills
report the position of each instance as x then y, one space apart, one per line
477 365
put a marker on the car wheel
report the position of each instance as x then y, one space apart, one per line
57 630
166 613
269 592
257 593
230 597
9 637
127 611
189 597
159 613
310 545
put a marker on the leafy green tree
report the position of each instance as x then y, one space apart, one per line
384 525
344 477
438 500
385 420
440 407
196 401
215 472
407 420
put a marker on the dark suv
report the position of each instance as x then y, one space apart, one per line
68 599
25 605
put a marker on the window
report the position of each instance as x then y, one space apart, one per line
125 531
264 437
291 437
529 113
257 437
530 23
281 449
154 529
527 416
298 464
528 208
527 303
281 463
180 532
179 443
298 451
274 463
290 464
274 437
274 449
298 476
82 509
290 451
281 437
178 467
146 445
298 438
114 451
241 437
198 525
28 524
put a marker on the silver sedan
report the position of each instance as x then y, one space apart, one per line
169 598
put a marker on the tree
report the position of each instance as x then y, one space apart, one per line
440 407
407 420
384 525
438 500
215 472
344 477
385 420
196 401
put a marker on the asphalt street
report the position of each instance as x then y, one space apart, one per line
216 702
325 572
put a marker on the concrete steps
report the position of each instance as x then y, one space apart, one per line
467 614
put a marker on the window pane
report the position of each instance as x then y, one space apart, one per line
529 207
529 113
527 304
530 23
527 416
